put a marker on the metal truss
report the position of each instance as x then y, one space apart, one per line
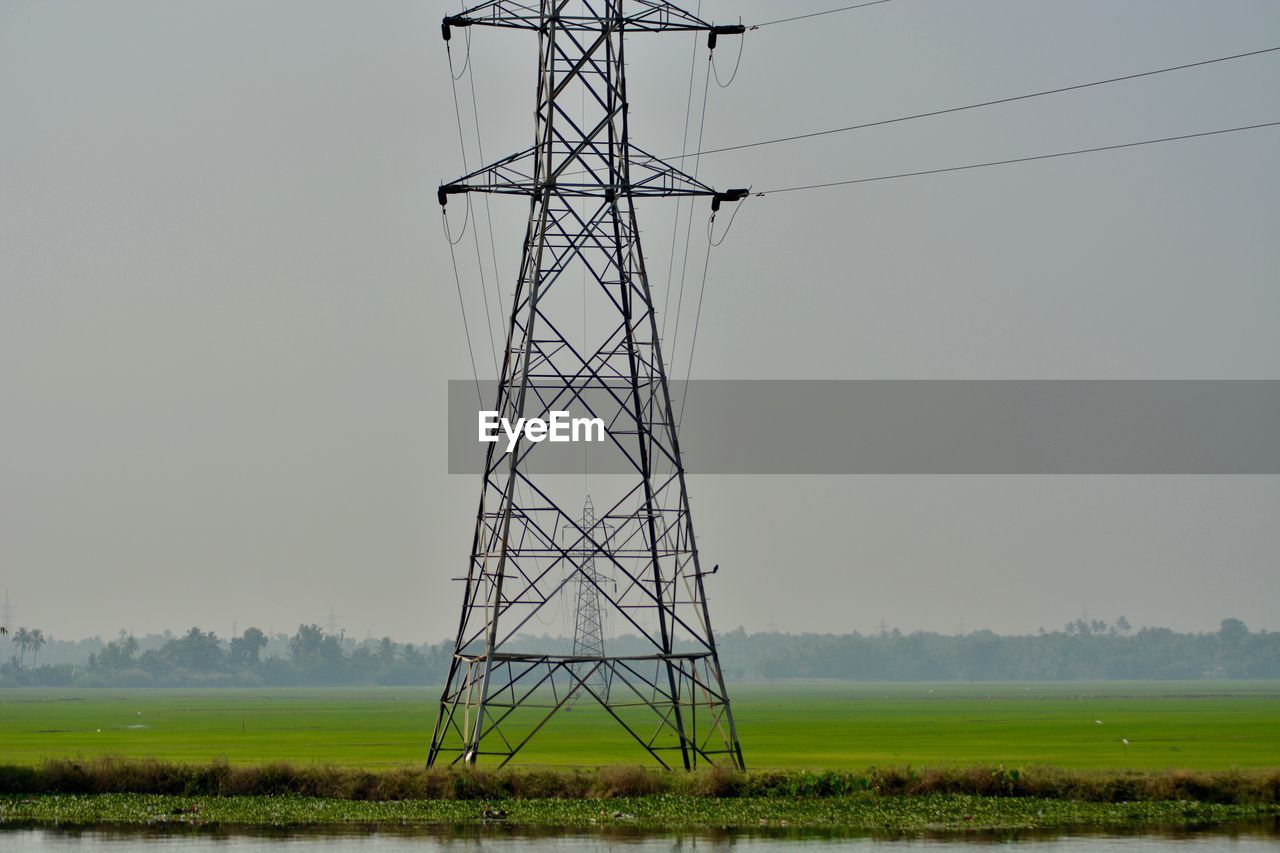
581 176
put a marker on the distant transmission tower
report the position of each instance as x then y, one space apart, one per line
588 623
582 176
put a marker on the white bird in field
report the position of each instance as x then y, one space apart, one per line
1098 722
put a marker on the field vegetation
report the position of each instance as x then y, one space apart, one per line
1201 725
864 813
824 756
112 776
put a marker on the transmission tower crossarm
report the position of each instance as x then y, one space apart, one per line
648 177
650 16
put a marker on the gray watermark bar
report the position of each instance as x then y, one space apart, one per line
1131 427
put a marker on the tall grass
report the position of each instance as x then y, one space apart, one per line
220 779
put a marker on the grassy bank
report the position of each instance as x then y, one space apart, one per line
863 812
219 779
106 791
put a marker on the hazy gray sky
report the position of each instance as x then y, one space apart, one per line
227 315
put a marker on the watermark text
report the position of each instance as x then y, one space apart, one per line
559 427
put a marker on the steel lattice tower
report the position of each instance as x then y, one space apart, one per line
582 177
588 623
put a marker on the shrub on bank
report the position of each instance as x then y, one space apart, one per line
220 779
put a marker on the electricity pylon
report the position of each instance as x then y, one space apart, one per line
582 176
588 622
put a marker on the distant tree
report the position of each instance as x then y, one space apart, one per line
304 646
331 649
118 654
22 639
361 658
1123 627
1232 632
38 640
317 654
195 650
412 657
1233 656
246 648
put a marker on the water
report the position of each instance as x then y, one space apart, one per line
1253 839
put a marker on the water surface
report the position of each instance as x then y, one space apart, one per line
1249 839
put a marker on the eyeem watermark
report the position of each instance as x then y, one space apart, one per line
917 427
560 427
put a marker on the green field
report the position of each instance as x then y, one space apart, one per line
1207 725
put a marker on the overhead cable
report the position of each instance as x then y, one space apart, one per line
1020 159
817 14
975 106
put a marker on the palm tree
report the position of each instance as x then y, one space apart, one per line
37 641
22 639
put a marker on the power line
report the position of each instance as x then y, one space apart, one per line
462 303
1021 159
978 105
488 214
688 237
484 291
702 290
693 345
684 140
818 14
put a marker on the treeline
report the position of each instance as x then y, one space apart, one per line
1082 650
313 657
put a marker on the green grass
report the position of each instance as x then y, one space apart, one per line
1206 725
864 813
